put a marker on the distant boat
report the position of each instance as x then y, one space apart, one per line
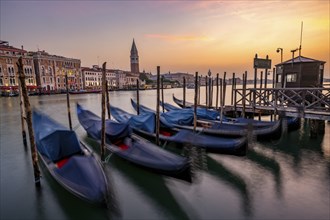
190 86
71 163
84 91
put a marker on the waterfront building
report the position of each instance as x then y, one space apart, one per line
51 71
92 78
134 59
300 72
190 79
9 72
130 80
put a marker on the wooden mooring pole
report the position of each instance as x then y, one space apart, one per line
184 92
195 100
34 154
223 97
108 99
137 97
244 93
68 100
104 82
157 107
162 82
206 92
217 93
21 103
232 89
211 92
220 97
199 89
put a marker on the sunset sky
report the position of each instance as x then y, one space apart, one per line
178 36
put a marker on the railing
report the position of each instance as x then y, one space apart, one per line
299 100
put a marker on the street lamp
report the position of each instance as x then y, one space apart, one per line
280 50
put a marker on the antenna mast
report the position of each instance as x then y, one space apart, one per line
301 30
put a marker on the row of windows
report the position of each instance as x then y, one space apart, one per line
99 74
28 70
99 84
50 71
290 77
97 79
11 70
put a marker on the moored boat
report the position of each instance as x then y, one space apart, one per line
222 129
144 124
71 163
133 148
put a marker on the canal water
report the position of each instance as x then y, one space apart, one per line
278 179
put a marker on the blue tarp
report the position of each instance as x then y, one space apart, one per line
54 140
177 117
93 125
202 113
144 121
81 174
169 119
84 174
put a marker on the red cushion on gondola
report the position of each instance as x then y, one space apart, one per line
123 146
165 133
62 162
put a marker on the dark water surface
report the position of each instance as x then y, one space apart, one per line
283 179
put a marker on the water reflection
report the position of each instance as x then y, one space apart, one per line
151 185
269 164
297 143
235 181
285 179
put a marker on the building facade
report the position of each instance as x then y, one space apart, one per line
46 73
51 71
9 72
92 78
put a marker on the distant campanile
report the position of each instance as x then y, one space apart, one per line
134 59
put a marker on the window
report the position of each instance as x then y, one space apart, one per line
291 77
50 71
279 78
43 70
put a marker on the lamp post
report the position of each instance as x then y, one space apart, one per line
280 50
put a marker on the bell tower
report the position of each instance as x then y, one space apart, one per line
134 59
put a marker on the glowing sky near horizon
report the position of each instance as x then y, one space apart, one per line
178 36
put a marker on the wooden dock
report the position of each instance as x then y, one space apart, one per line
311 103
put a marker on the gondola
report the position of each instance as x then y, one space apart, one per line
203 113
133 148
71 163
223 129
211 115
144 124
